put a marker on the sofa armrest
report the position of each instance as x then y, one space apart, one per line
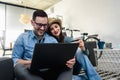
6 69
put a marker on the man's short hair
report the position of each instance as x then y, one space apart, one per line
40 13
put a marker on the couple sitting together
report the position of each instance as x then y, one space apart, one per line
49 31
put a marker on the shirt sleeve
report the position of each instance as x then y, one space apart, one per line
18 49
49 39
67 39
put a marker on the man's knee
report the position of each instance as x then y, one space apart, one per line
66 75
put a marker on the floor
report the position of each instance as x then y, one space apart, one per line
109 64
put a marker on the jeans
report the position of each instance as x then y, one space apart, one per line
80 77
84 62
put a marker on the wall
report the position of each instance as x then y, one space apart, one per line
10 22
92 16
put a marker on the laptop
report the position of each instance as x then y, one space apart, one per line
52 55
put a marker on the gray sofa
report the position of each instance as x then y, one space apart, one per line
6 69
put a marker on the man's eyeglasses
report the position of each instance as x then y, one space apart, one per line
40 25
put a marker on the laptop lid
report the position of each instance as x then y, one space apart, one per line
52 55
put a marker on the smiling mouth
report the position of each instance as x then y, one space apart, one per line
56 32
41 32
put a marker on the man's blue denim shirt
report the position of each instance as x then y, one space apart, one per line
24 45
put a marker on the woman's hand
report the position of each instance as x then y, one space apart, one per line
70 63
81 44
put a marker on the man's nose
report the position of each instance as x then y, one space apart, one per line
42 28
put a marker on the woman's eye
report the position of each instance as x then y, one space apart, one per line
56 26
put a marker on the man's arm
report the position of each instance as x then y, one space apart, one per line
18 50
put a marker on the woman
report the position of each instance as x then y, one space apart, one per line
82 61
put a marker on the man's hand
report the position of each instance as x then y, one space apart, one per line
25 62
70 63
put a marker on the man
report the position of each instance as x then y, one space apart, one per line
23 51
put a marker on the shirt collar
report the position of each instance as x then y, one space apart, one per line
34 36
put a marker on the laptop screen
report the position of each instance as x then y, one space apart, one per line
52 55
